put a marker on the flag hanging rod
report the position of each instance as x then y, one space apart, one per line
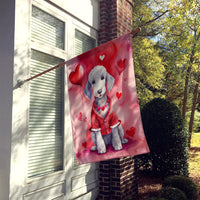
20 83
133 34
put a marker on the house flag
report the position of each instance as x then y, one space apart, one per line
104 108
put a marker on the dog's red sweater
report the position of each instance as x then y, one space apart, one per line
103 124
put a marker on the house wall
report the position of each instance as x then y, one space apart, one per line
84 10
6 87
73 182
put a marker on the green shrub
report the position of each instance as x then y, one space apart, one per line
167 138
183 183
171 193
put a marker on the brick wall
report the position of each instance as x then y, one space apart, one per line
118 177
115 19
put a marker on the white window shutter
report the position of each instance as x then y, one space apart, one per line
47 29
45 134
45 143
83 42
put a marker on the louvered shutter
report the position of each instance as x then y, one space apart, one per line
45 134
83 43
45 143
46 28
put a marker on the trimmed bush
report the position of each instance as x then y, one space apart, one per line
171 193
167 138
183 183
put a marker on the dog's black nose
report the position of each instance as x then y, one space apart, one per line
99 91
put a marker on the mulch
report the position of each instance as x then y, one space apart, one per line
148 186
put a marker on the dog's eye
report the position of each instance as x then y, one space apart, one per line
102 77
93 82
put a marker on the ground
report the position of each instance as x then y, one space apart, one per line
149 186
194 162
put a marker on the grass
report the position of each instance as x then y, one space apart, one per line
195 141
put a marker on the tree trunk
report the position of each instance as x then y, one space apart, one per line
185 91
188 74
198 99
193 109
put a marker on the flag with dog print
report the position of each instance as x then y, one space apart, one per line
104 107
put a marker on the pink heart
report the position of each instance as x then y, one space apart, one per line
121 64
118 94
131 131
77 76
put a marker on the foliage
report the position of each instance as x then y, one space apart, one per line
174 82
182 40
149 67
183 183
182 31
171 193
147 15
174 29
174 71
196 124
167 136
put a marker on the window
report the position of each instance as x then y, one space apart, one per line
45 139
46 117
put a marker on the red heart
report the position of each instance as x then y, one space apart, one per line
118 94
121 64
77 76
84 144
131 132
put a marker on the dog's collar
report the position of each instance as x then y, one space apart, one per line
102 107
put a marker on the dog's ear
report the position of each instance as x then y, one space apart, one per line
88 91
110 81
